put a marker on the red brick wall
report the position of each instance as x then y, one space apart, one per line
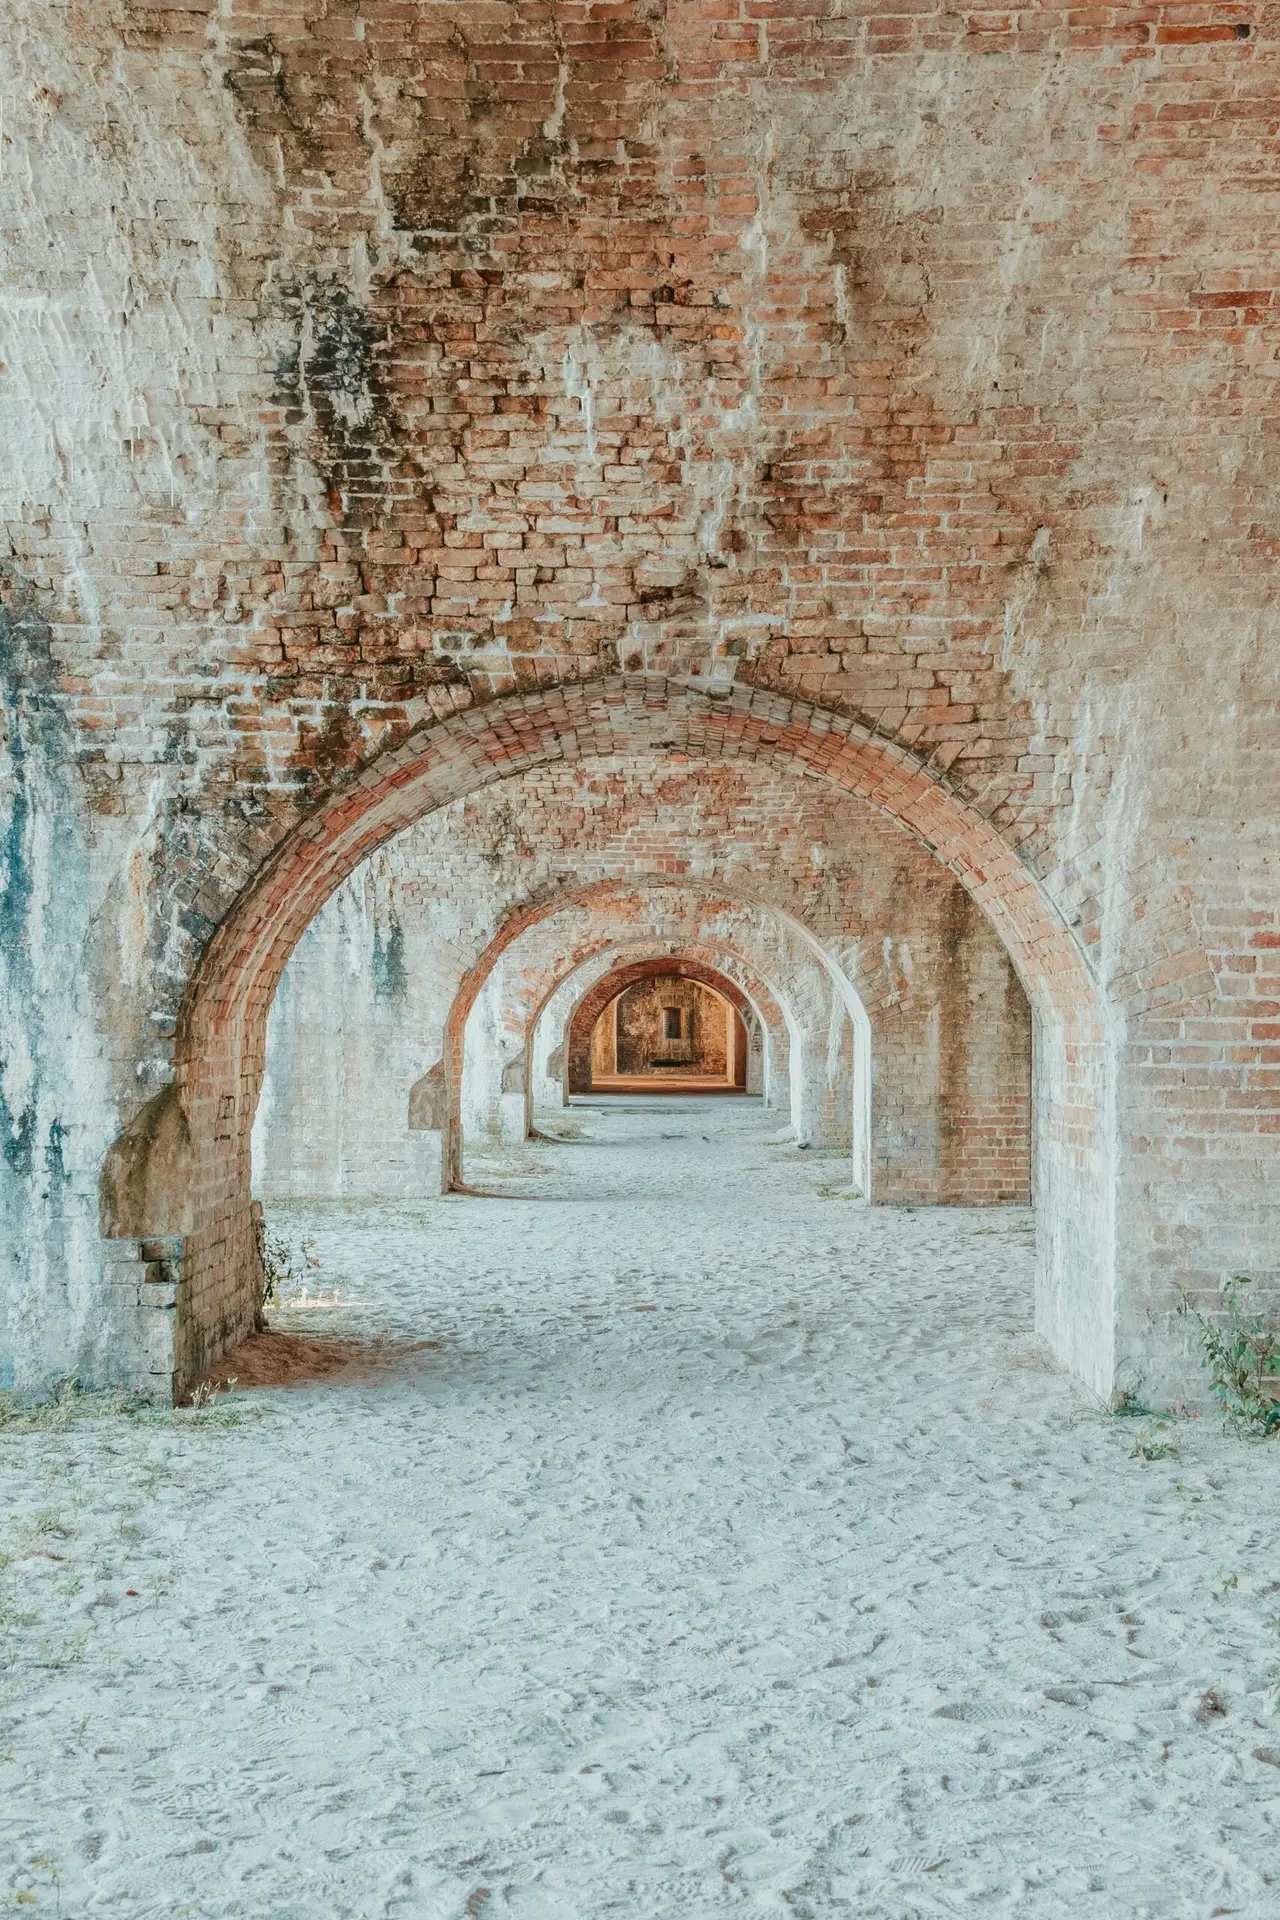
619 335
913 363
641 1039
985 1100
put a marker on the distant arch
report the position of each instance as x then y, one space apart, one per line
768 1002
597 998
534 911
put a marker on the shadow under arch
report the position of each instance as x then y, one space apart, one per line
220 1040
544 907
766 1001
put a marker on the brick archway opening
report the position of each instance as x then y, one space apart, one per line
220 1043
582 1077
768 1005
537 911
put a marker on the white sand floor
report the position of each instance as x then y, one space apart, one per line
736 1551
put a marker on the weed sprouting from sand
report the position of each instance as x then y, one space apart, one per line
1127 1406
285 1266
1243 1361
1148 1447
210 1406
41 1874
52 1656
11 1616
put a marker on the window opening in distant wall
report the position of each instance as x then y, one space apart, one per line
675 1028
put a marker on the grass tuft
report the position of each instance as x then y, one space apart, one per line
69 1403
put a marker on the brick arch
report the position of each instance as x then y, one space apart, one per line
764 999
597 998
220 1041
543 907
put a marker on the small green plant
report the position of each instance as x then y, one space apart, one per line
1148 1447
1225 1582
1243 1359
285 1266
55 1655
1127 1406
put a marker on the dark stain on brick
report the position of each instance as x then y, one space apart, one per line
36 743
389 974
17 1137
34 732
54 1161
330 383
258 79
328 754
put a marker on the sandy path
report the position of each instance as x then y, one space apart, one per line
734 1553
